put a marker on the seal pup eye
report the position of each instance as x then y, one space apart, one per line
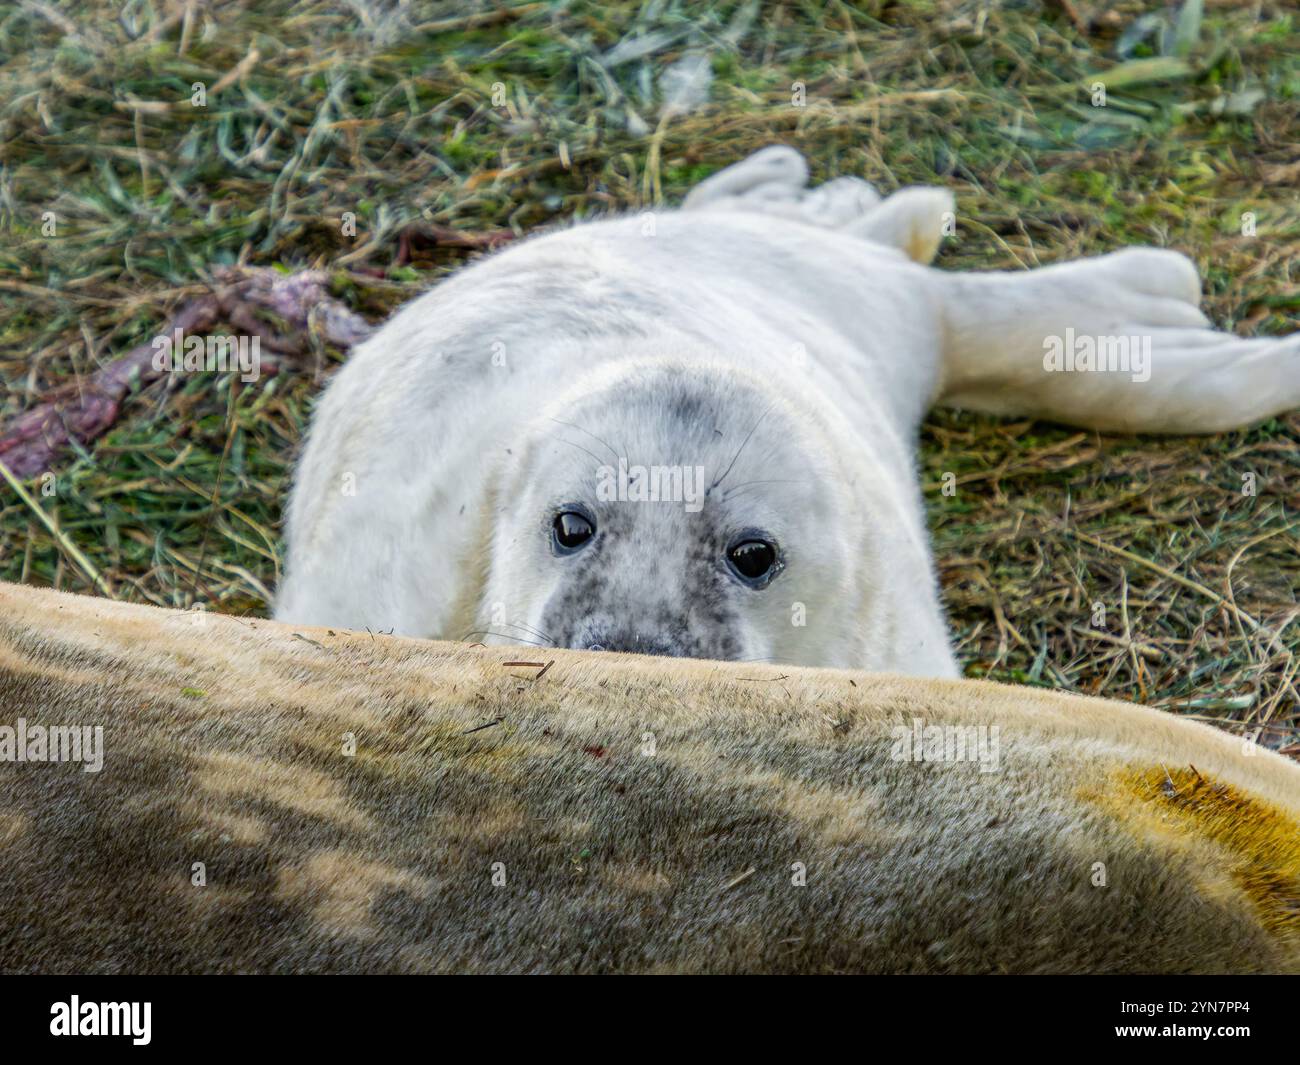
754 561
571 530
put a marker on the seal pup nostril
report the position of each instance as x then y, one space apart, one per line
639 644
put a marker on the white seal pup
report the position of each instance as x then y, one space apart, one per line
692 432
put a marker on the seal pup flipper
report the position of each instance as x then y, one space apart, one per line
777 172
773 181
911 220
1115 343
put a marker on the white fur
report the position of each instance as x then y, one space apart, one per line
810 316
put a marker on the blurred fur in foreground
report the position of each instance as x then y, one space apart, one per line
224 745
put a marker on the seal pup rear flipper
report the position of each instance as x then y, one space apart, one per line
774 181
1115 342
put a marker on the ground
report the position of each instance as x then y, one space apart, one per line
1157 570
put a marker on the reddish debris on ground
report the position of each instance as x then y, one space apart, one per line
32 442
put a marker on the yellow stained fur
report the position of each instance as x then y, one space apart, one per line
639 815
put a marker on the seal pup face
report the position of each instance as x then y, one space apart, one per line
672 509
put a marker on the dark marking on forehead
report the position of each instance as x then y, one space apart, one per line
688 406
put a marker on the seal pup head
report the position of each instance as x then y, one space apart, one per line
675 508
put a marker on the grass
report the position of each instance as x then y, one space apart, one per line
1128 567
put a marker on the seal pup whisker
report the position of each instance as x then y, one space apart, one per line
504 636
599 440
530 629
596 458
730 492
743 444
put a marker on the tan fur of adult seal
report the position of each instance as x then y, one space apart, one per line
614 860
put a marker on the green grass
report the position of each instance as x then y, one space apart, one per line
387 112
